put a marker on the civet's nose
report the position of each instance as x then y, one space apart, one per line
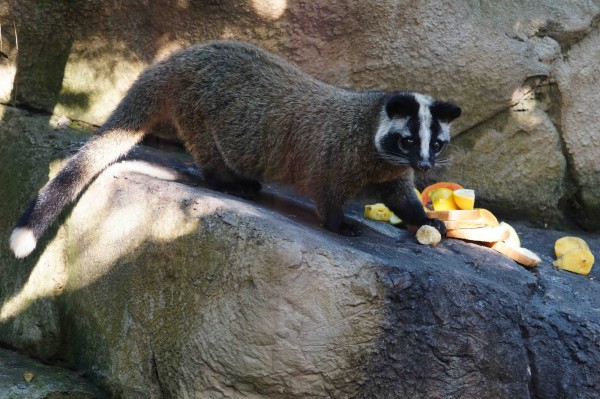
424 166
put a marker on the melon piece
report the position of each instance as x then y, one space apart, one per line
573 254
483 234
454 215
463 224
488 217
425 194
513 239
520 255
577 260
565 244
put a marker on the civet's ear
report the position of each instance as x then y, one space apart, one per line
445 112
401 106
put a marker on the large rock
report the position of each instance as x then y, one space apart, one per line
24 378
577 77
162 289
78 59
27 146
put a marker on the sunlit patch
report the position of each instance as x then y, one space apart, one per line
523 99
271 9
167 46
149 169
183 4
6 82
120 227
525 106
47 280
93 85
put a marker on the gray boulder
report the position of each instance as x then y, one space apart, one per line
157 288
22 377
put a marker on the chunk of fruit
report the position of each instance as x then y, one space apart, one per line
520 255
488 217
419 195
456 214
463 224
565 244
483 234
442 199
395 220
425 194
464 198
428 235
378 212
530 258
513 239
577 260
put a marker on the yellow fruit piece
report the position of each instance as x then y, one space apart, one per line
444 184
513 239
565 244
378 212
488 217
28 376
464 198
520 255
428 235
442 199
576 260
395 220
419 195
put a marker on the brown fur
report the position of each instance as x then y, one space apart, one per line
247 116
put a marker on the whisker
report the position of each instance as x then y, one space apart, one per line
397 159
443 164
395 154
444 160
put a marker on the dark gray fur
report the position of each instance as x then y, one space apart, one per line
248 116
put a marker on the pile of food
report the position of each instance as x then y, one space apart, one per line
455 206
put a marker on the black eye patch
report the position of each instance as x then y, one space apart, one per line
407 142
437 146
390 142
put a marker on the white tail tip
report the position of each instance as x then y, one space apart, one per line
22 241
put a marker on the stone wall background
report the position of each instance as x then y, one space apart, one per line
184 306
525 74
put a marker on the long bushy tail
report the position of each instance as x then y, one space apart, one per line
137 112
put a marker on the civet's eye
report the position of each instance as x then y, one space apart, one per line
407 142
437 146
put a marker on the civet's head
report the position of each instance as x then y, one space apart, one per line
414 129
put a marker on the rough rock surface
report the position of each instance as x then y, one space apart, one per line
162 289
43 382
77 59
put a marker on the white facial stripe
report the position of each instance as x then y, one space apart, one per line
424 123
444 131
387 125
